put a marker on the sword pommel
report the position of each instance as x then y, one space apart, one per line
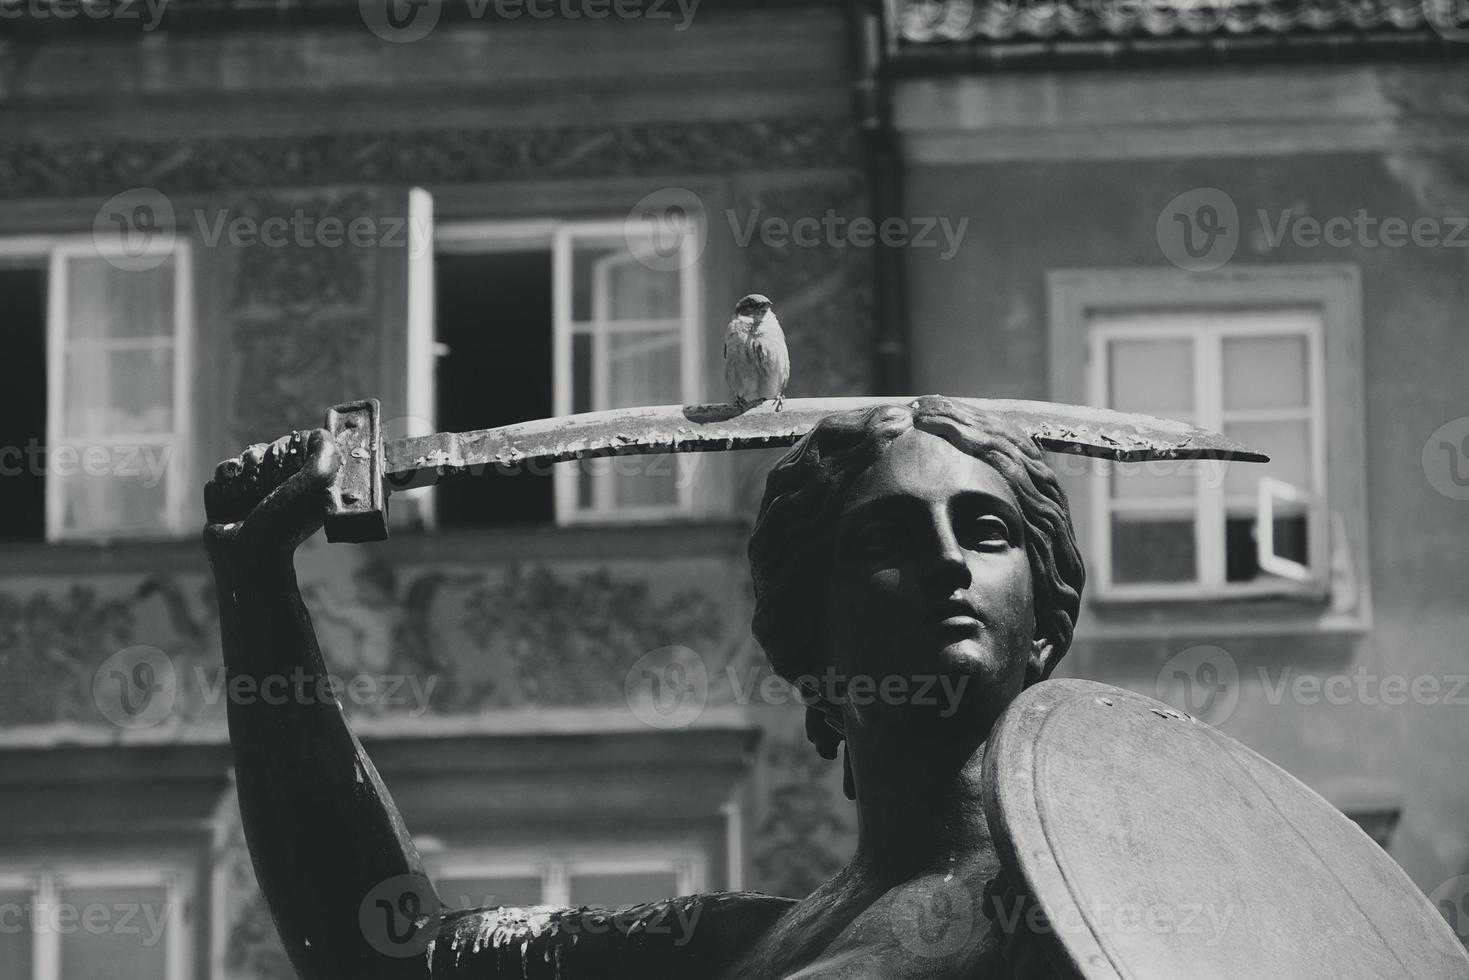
357 510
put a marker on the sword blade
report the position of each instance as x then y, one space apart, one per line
417 461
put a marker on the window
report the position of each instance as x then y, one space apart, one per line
82 924
1270 355
625 336
610 875
114 390
574 317
1194 527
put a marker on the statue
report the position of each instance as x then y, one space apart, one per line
914 541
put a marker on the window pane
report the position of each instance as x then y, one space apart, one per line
15 934
1241 552
636 292
490 891
1288 445
581 373
1265 372
118 392
620 890
130 497
646 481
1154 376
105 302
610 283
1155 478
644 368
1152 549
118 933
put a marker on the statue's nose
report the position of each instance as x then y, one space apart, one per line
948 566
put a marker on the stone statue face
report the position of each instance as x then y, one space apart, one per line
931 583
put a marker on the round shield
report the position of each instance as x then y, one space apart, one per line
1147 845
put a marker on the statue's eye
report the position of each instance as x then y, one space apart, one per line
986 531
877 539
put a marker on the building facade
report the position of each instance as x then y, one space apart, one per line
219 221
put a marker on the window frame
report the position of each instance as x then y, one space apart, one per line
1344 606
1210 506
46 883
557 865
557 237
604 508
51 254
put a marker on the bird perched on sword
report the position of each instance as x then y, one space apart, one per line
757 365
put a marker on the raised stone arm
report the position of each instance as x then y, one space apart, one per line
337 866
329 848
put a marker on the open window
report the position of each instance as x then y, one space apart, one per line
1205 527
537 318
626 335
1269 355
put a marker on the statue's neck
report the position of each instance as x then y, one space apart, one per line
919 805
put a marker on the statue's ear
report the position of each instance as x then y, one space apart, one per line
1042 652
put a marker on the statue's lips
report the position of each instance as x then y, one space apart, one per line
959 615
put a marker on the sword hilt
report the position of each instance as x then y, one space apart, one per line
357 507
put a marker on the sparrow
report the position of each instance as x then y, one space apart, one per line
757 365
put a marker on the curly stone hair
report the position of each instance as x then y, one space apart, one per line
793 543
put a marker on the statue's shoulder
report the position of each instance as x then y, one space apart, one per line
694 935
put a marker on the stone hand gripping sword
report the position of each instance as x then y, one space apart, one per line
371 468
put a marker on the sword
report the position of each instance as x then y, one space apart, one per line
371 468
